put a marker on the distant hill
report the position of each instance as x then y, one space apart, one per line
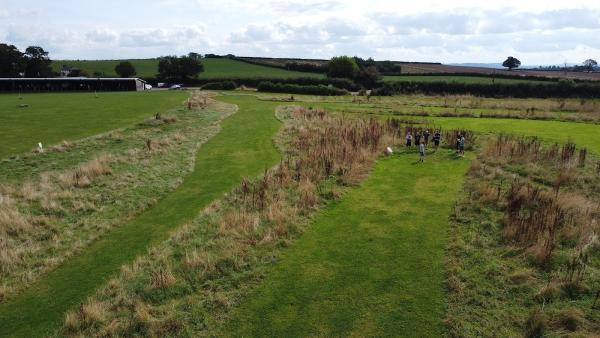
253 67
213 68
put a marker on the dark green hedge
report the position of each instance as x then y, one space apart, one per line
496 76
562 89
223 85
254 81
297 89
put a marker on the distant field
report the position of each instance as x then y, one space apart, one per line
213 68
456 78
51 118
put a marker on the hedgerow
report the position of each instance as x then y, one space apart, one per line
561 89
296 89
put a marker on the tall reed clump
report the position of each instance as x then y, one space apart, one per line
536 216
532 210
511 149
209 265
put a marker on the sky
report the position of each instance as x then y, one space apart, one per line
536 32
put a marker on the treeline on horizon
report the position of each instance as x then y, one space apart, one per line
343 74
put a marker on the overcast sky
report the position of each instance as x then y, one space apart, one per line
537 32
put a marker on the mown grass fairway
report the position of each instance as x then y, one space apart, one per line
243 148
213 68
51 118
370 265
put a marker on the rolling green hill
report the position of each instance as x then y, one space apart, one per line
213 68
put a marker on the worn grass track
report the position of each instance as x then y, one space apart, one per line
243 148
370 265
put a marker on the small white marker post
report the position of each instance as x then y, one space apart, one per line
40 147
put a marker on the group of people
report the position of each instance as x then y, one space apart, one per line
421 140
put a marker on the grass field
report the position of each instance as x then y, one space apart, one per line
370 265
243 148
456 78
52 118
213 68
584 134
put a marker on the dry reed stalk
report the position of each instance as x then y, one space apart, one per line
162 278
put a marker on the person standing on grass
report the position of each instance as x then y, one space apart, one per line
417 138
408 139
437 136
458 136
461 145
426 136
422 151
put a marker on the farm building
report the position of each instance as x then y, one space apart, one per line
71 84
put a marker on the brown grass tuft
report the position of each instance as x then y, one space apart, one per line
536 324
87 172
570 318
198 259
61 147
238 220
162 279
308 195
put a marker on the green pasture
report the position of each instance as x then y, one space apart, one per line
213 68
54 117
370 265
243 148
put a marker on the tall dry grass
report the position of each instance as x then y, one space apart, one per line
536 217
511 149
233 237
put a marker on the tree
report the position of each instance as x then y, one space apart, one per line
368 76
590 64
343 67
37 62
195 55
12 63
125 69
511 63
179 68
362 63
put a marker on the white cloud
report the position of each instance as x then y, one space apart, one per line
102 35
303 6
167 37
429 30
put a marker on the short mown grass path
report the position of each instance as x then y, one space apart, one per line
371 264
244 147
